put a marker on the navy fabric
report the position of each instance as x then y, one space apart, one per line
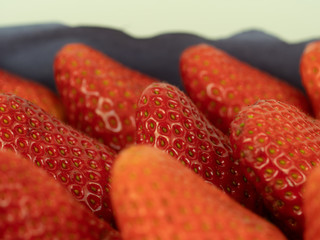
29 51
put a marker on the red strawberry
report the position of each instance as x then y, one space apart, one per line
35 206
221 85
311 206
78 162
99 93
32 91
310 74
155 197
278 145
167 119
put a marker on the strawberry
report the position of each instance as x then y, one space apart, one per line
155 197
277 145
78 162
310 74
168 120
35 206
311 206
221 85
32 91
99 93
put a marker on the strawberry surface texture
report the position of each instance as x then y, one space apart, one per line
311 206
277 146
221 85
99 93
78 162
35 206
32 91
168 120
310 74
156 197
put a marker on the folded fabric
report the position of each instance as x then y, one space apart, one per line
29 51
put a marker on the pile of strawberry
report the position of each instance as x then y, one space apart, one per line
121 155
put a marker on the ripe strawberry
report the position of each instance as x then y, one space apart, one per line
35 206
78 162
278 145
310 74
32 91
155 197
311 206
221 85
167 119
99 93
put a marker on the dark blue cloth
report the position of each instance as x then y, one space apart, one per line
29 51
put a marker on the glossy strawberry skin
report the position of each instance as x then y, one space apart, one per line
78 162
35 206
311 206
168 120
99 93
32 91
277 145
310 74
155 197
221 85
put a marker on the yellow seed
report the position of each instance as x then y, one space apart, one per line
269 171
288 194
272 151
215 91
223 109
260 159
296 208
282 162
205 78
63 179
230 95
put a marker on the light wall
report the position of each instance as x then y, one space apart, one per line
291 20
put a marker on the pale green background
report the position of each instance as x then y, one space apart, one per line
293 21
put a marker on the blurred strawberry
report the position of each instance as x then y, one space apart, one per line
221 85
310 74
277 145
99 93
311 206
167 119
34 206
32 91
155 197
78 162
